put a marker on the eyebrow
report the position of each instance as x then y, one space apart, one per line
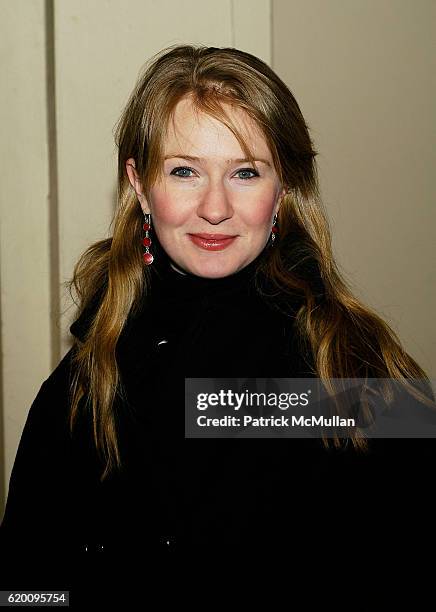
201 159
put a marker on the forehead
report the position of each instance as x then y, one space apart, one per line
193 131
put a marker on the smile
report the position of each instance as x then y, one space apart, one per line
212 242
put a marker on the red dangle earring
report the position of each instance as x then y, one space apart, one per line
146 241
274 230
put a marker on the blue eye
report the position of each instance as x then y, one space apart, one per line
248 170
186 169
182 168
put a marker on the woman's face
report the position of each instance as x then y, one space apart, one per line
211 194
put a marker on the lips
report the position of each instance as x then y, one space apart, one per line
214 236
212 242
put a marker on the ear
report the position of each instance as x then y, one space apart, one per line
136 184
280 197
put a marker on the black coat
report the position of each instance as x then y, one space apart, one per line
178 496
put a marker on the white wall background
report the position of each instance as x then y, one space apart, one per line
364 73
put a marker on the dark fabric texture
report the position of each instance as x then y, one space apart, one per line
175 497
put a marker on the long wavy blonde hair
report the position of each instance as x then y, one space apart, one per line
345 338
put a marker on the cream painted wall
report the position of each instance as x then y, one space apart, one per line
69 71
364 74
24 231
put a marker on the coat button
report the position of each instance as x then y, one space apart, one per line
168 541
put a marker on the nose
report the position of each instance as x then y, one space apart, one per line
215 205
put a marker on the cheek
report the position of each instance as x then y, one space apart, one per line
167 211
258 214
254 212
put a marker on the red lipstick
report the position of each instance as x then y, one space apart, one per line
212 242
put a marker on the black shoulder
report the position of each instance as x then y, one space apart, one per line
41 459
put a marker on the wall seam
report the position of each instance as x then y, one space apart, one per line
232 23
271 33
53 195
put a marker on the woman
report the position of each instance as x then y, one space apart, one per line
220 265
